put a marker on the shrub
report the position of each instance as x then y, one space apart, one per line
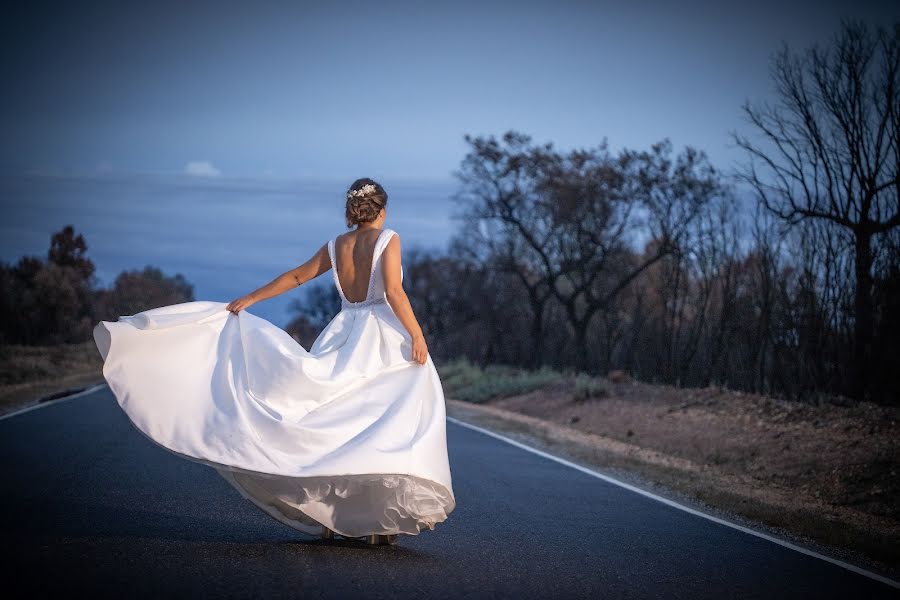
587 387
464 381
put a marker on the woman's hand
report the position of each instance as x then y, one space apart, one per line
419 349
241 303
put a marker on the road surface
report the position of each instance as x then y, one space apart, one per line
90 505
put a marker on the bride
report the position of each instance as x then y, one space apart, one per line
347 438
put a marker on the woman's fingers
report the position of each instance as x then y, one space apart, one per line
238 304
420 354
417 352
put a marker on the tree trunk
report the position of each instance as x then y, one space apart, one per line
537 331
862 327
581 347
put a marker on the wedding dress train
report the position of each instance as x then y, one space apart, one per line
350 434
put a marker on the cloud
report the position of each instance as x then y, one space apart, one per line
201 168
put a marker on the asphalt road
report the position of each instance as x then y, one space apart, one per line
89 505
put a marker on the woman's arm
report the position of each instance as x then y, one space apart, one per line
397 298
315 266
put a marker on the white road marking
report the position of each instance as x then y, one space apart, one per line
52 402
672 503
607 478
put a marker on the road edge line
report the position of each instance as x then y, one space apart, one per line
83 392
858 570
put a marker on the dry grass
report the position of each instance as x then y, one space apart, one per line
30 373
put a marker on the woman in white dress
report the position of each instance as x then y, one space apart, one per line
348 438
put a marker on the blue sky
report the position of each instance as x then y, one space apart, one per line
216 139
379 89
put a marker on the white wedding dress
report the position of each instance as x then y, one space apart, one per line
350 434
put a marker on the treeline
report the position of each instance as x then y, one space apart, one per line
57 299
651 263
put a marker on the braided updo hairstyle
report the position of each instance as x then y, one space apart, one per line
365 208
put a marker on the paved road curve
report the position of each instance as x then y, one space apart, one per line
90 505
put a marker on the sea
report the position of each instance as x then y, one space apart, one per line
226 236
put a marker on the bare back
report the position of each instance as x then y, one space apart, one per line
353 257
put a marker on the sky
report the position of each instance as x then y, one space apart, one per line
380 89
226 237
217 139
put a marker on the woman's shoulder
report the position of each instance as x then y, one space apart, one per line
389 236
385 233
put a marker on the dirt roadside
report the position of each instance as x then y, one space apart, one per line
678 449
32 374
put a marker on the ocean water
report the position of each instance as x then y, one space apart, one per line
226 236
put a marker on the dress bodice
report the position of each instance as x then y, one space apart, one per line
375 293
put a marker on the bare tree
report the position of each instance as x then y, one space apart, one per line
567 224
500 227
829 151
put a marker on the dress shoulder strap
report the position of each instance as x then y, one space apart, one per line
334 274
331 251
383 238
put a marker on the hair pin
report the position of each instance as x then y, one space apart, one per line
362 191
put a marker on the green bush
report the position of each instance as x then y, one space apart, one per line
587 387
464 381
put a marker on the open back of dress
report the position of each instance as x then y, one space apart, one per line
350 434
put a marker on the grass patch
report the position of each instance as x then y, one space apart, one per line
465 381
29 364
28 373
587 387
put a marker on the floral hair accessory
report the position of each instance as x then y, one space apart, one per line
362 191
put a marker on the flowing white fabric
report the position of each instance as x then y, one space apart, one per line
350 434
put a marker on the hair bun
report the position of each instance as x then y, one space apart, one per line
365 199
